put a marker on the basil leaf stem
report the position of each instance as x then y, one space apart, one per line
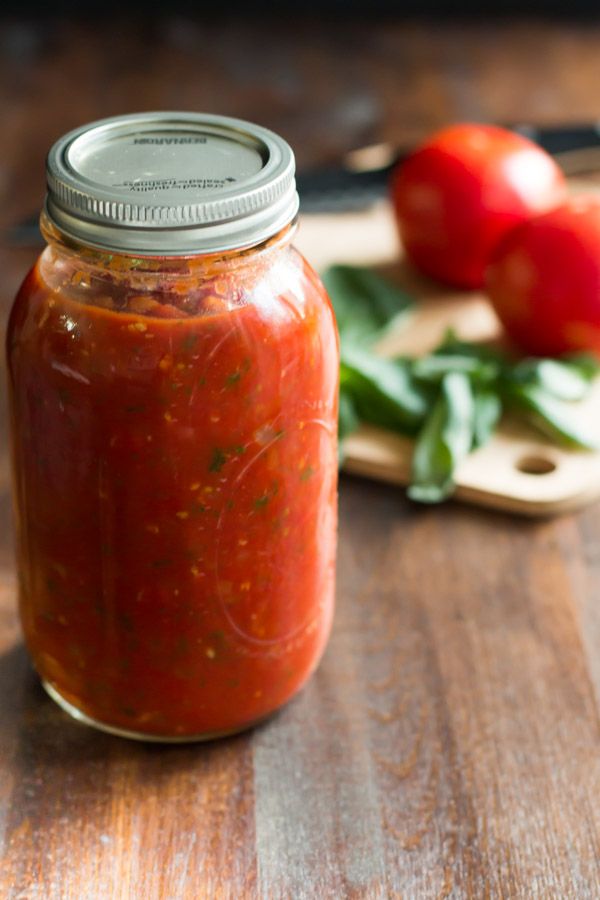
444 441
488 409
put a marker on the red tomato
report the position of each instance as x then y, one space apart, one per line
544 280
462 191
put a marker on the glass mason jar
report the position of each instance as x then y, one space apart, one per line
173 377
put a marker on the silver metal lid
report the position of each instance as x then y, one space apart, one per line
171 183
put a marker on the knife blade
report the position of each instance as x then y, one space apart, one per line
351 187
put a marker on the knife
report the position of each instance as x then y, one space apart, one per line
362 177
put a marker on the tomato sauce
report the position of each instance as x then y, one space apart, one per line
174 444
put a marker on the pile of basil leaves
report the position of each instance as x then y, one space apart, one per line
450 401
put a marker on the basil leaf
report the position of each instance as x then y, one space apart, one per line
383 390
436 365
553 417
488 409
452 399
348 420
444 441
365 304
586 364
560 378
451 345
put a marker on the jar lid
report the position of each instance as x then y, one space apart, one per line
171 184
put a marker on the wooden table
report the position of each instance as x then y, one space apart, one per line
449 745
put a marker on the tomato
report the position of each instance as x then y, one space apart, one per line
544 280
462 191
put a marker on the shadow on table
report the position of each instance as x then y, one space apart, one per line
63 770
30 716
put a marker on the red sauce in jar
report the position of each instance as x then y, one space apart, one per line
174 436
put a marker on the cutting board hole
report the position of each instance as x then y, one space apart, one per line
536 465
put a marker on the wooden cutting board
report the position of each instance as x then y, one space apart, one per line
517 470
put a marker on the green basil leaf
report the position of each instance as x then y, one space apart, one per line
488 409
383 390
555 418
451 345
560 378
436 365
348 420
366 305
444 441
452 399
586 364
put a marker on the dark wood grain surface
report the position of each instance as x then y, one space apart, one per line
449 745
